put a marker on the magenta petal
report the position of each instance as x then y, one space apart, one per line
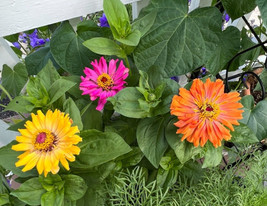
103 65
90 73
112 67
101 104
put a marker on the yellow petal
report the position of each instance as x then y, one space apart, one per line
22 147
35 121
31 164
24 154
65 163
25 159
24 139
75 150
47 162
41 118
31 127
26 133
40 163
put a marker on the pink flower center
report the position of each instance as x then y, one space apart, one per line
209 109
41 137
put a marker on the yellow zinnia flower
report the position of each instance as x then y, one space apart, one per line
47 140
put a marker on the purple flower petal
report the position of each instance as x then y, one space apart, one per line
16 44
103 21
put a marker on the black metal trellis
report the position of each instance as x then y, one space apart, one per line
241 75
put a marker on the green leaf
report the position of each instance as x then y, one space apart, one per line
68 51
100 147
242 134
117 17
51 182
13 80
74 187
53 198
12 38
30 192
236 9
126 103
59 88
48 75
92 118
132 39
213 156
37 60
227 47
184 150
263 77
151 139
8 159
168 44
262 4
4 199
144 23
166 178
70 107
132 158
104 46
93 197
19 104
255 117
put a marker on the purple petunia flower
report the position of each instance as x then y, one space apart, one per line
175 78
103 21
203 70
34 39
16 44
23 37
226 17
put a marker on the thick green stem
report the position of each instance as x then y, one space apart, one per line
128 65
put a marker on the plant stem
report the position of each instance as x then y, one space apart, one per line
1 105
6 92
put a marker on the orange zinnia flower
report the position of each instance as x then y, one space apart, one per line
204 110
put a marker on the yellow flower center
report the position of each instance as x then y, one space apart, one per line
45 140
105 81
209 110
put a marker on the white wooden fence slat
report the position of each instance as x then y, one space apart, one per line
137 6
21 15
7 56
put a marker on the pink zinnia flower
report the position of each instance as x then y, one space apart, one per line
103 81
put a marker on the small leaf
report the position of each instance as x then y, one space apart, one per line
213 156
242 134
13 80
184 150
126 103
132 39
30 192
70 107
74 187
59 88
104 46
19 104
53 198
151 139
48 75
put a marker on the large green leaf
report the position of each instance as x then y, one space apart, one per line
74 187
68 51
30 191
53 198
255 117
14 79
236 9
262 4
19 104
227 47
263 77
37 60
179 42
98 148
242 134
151 139
184 150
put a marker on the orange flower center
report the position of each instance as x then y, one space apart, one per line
105 81
44 141
209 110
